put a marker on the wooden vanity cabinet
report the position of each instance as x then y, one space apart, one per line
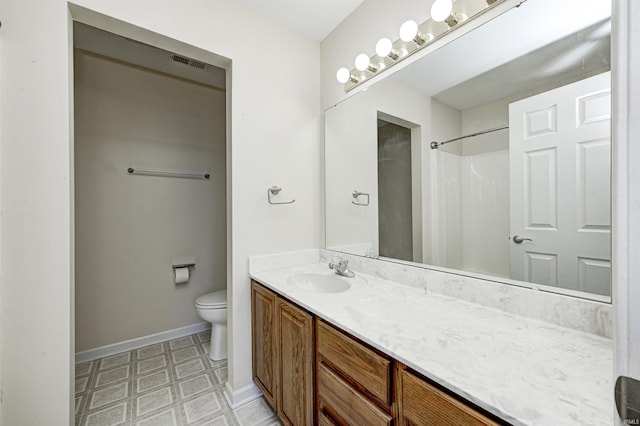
283 355
424 404
354 382
311 372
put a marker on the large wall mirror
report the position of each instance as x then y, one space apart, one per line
488 157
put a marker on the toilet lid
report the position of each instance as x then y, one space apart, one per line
217 299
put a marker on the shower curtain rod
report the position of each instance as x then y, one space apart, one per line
436 145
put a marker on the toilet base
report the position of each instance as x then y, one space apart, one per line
218 345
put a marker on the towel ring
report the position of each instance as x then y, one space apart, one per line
357 194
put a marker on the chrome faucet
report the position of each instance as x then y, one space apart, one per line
341 266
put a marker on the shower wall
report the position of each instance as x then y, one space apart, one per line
131 228
485 190
446 181
472 186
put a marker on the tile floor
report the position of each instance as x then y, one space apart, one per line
169 383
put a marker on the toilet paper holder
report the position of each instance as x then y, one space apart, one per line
183 265
182 272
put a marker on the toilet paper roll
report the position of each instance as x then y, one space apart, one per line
182 275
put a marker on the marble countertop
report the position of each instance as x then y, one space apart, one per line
525 371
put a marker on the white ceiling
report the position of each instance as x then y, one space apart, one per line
572 58
313 18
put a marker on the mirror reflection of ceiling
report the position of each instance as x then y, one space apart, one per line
519 55
578 56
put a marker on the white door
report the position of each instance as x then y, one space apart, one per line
559 143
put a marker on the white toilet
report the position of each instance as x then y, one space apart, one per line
212 307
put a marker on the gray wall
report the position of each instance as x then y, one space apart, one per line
130 228
395 211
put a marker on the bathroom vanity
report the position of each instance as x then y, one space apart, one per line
354 383
383 353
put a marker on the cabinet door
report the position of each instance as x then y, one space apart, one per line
264 338
296 356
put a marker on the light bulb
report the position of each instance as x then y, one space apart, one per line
383 47
441 10
343 75
408 30
362 62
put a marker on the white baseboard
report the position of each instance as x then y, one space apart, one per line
140 342
242 396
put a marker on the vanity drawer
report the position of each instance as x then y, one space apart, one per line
425 404
340 403
325 420
367 369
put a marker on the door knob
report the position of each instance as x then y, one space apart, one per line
518 239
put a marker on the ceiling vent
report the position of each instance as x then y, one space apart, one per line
180 59
197 64
187 61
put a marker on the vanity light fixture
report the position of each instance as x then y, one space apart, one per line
344 75
384 48
363 62
442 10
409 31
412 39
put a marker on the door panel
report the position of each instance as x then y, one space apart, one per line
264 329
594 107
541 122
295 356
559 143
593 275
541 268
541 185
594 183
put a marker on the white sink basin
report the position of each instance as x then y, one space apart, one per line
320 283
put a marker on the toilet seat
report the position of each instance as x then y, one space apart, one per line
215 300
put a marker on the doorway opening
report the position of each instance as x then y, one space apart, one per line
395 217
138 107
